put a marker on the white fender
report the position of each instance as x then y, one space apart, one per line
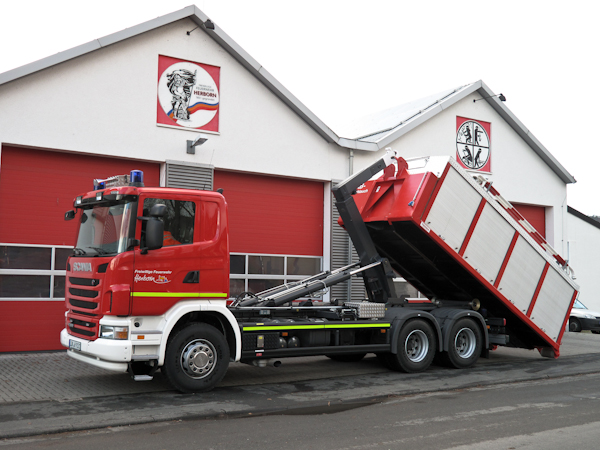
172 316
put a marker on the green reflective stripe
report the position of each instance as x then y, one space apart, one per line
316 327
180 294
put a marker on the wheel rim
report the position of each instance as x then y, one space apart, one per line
416 346
198 358
465 343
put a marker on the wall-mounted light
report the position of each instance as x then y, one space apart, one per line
209 25
501 97
191 145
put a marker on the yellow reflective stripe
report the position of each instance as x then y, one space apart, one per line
316 327
180 294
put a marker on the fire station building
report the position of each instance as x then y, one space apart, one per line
195 110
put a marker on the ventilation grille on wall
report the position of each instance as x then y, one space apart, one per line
340 242
190 176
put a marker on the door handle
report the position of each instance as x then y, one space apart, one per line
192 277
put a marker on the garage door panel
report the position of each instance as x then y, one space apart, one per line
273 215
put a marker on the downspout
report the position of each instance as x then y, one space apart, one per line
350 172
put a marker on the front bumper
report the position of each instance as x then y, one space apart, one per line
108 354
589 324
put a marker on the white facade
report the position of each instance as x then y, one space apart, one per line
104 103
584 254
517 172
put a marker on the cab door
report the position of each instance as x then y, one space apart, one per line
173 273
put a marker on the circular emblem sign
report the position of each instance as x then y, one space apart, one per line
188 95
472 145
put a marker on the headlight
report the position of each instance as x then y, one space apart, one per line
113 332
589 316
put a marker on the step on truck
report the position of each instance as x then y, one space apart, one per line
147 286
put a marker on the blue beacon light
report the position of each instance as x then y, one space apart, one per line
136 178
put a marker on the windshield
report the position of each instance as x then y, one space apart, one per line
106 229
578 305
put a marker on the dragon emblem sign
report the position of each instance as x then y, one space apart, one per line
188 94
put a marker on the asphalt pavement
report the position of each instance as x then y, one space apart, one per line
49 392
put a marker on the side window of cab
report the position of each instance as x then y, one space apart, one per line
179 220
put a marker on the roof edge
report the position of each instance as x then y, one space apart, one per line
426 114
96 44
490 97
525 134
583 217
217 34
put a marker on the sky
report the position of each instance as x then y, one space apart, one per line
346 59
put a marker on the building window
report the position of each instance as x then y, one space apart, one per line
33 272
257 273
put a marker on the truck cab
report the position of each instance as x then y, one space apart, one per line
145 259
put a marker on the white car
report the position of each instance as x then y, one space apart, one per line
582 318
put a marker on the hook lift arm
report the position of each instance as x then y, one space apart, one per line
378 279
375 270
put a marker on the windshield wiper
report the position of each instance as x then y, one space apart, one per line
100 250
79 251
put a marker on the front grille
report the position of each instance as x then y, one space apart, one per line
85 313
83 298
84 281
83 304
82 328
83 293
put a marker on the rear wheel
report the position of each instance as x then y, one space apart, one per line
416 347
464 346
574 325
196 359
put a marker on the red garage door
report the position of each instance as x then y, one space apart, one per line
276 229
273 215
36 188
535 215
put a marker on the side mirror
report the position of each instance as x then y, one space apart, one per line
154 232
155 228
70 215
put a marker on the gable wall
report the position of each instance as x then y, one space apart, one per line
583 251
105 103
517 172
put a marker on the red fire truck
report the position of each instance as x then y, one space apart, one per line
148 282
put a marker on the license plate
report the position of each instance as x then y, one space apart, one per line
74 345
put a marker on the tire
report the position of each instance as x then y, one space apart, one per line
574 325
464 344
347 357
416 347
196 358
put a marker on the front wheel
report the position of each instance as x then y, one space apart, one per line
416 347
574 325
464 346
196 359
